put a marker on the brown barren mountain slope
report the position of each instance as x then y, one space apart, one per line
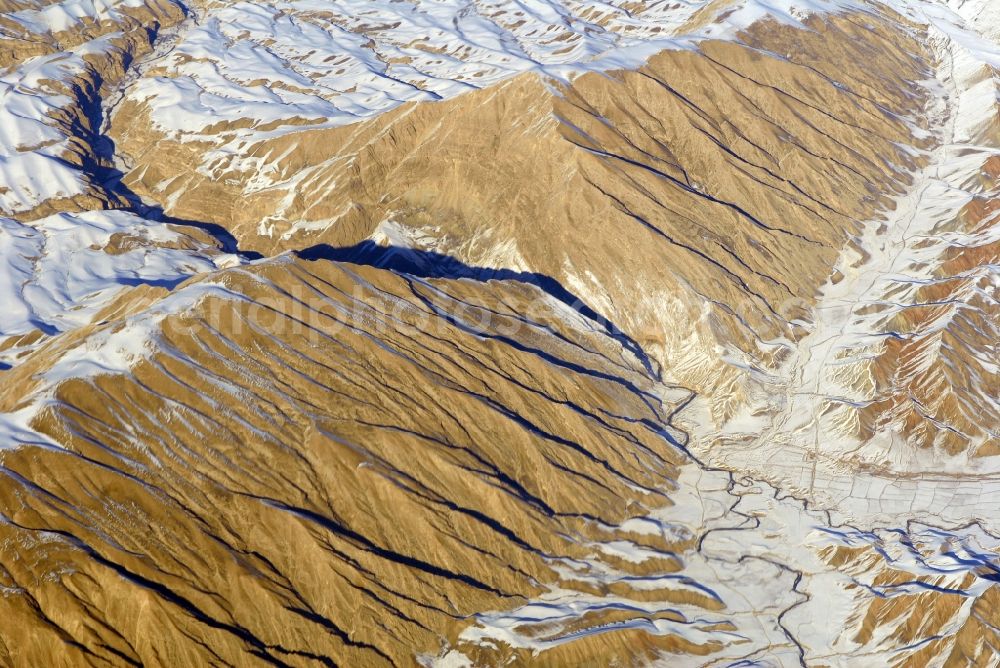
719 177
428 450
436 451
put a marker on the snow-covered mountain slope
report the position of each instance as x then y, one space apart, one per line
336 63
592 333
59 61
58 272
242 77
56 59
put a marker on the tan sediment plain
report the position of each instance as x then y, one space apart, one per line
321 460
728 175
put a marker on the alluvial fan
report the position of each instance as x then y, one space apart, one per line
473 333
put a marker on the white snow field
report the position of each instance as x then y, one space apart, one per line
58 272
